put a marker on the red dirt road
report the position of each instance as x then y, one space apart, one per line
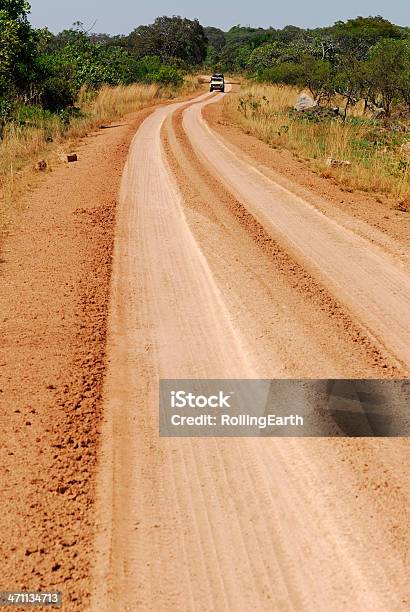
208 270
55 266
216 276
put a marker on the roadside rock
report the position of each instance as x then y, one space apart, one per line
304 102
404 205
69 157
41 165
337 163
379 113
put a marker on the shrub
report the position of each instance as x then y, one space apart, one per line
167 75
5 112
150 69
57 94
287 73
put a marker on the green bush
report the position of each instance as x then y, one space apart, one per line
5 112
287 73
146 66
150 69
30 114
167 75
57 94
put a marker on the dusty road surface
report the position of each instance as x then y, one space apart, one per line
55 265
220 272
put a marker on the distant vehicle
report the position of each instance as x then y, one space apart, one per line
217 82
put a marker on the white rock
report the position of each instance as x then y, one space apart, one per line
331 162
304 102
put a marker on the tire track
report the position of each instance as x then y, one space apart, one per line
212 524
205 193
368 281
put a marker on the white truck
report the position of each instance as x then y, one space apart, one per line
217 83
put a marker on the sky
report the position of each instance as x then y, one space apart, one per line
122 16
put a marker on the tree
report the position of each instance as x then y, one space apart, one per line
318 76
235 56
290 34
70 60
266 56
405 84
92 64
253 37
388 71
216 42
16 44
53 87
355 37
170 37
216 38
350 81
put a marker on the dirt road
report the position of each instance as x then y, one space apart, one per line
55 268
219 272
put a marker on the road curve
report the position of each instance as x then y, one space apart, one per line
227 524
374 287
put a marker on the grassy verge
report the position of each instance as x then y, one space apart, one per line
378 154
35 134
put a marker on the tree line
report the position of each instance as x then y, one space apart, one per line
364 58
47 70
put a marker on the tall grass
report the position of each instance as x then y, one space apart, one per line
378 162
45 135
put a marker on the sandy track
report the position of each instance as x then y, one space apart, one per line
374 286
234 524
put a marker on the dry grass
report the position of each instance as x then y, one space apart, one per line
46 137
110 103
378 163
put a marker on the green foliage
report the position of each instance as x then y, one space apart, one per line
167 75
170 37
216 38
388 71
5 113
65 68
150 69
318 77
216 42
235 57
50 70
29 114
286 73
266 56
93 64
355 37
16 44
363 58
54 87
252 37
